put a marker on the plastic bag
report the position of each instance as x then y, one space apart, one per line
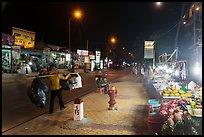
38 92
65 84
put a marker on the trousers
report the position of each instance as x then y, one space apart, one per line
55 93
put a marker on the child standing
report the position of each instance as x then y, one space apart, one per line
99 84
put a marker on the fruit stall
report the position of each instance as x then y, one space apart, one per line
178 108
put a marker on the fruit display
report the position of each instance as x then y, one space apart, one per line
181 106
200 93
173 92
178 120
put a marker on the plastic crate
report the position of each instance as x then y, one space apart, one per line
154 106
155 119
153 102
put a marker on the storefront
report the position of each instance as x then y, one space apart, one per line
59 59
10 53
32 57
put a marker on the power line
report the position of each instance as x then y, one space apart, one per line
186 11
169 30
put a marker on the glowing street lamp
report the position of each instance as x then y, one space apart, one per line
158 3
77 14
113 40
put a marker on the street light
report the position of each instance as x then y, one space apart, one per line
77 14
113 40
158 3
111 48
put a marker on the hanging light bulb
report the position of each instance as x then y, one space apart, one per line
197 68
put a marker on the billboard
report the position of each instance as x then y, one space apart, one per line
23 38
82 52
98 55
149 49
7 39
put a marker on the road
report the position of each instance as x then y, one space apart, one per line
17 107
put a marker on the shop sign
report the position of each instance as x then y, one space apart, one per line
7 39
16 51
86 59
82 52
149 50
92 57
98 54
68 57
6 47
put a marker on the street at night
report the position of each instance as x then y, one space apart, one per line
116 68
17 108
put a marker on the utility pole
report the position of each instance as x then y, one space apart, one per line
194 34
178 29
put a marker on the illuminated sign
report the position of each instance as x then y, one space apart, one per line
92 57
149 49
82 52
98 55
23 38
68 57
87 60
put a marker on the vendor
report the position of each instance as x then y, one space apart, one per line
150 73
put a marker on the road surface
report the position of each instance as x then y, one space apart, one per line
17 107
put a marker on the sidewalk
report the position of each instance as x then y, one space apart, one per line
129 119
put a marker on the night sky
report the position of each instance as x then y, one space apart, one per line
130 22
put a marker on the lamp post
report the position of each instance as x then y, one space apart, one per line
77 14
112 48
112 41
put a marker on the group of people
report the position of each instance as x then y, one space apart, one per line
138 70
143 72
102 84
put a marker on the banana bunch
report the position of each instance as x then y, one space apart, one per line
173 92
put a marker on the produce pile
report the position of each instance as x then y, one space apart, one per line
173 92
177 119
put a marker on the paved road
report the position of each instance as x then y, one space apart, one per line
129 119
17 107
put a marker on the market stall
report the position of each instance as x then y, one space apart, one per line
179 104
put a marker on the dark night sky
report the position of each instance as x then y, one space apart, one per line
130 22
